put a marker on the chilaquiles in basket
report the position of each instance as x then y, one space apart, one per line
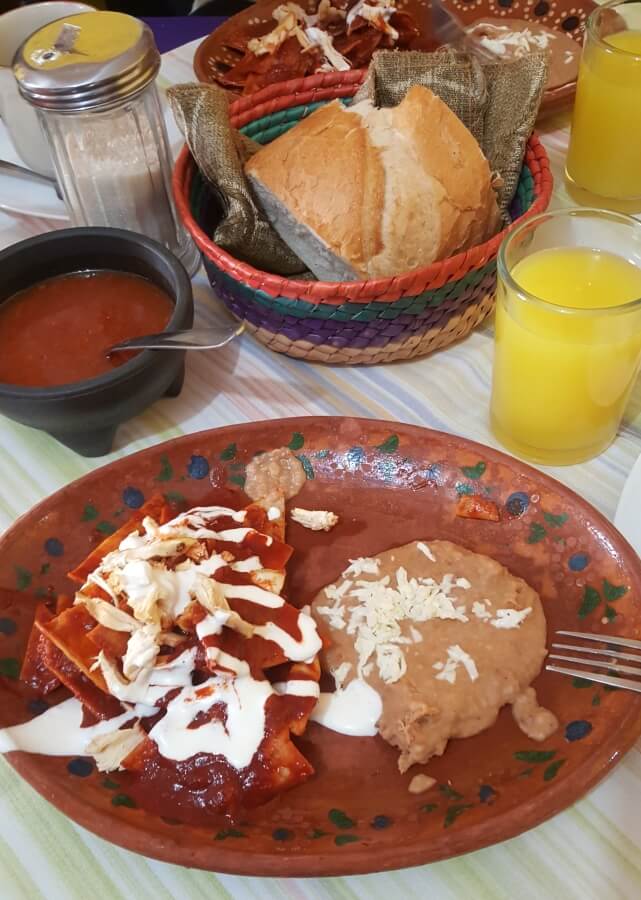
187 667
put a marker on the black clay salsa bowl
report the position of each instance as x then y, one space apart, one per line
84 415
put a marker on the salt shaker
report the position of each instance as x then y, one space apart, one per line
91 78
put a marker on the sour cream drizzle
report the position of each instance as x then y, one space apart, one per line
237 739
298 651
134 571
298 688
58 732
353 710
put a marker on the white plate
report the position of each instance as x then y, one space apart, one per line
21 195
628 515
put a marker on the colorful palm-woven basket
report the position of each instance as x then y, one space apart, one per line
353 322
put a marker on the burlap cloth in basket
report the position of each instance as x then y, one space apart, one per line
202 114
498 103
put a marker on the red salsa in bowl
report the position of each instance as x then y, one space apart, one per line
66 297
58 330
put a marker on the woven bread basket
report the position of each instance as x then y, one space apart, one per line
357 322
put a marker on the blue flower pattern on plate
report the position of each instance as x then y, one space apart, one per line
7 626
578 561
517 503
577 730
54 547
198 467
80 767
133 498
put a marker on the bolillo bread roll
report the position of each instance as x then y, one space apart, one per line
370 193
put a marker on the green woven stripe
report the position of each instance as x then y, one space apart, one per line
525 189
359 312
268 128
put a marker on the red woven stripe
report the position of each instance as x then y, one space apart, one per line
325 85
308 90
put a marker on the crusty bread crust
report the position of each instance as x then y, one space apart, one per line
386 190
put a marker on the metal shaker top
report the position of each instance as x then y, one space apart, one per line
86 61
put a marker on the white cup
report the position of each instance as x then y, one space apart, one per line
19 117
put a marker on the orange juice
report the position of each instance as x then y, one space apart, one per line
564 364
605 146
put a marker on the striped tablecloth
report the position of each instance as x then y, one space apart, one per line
590 851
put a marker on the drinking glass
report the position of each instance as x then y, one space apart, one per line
604 156
563 373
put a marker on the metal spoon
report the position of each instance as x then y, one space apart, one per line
189 339
23 172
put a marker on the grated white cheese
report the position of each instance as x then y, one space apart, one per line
375 619
456 657
336 616
314 519
362 566
425 550
336 612
336 593
391 662
510 618
480 610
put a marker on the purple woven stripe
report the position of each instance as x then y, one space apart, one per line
377 333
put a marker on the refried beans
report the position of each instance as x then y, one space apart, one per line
444 635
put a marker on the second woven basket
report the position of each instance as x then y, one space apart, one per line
358 322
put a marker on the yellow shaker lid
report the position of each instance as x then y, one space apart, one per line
86 61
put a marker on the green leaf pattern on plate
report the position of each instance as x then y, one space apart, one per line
537 533
23 578
389 445
340 819
229 452
474 472
166 472
297 441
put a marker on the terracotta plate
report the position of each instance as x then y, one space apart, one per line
567 16
390 484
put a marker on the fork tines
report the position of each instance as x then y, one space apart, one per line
610 659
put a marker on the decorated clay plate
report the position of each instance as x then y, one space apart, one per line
219 51
389 484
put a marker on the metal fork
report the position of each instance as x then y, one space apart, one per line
612 654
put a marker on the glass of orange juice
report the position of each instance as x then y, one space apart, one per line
604 156
567 335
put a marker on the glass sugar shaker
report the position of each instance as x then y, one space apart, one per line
91 78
